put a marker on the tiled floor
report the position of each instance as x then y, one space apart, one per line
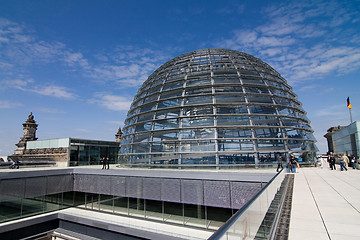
326 204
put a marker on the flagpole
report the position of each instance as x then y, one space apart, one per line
350 116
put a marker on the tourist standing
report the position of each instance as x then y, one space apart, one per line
103 163
108 163
293 164
353 161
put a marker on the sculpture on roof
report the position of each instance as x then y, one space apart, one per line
118 135
29 127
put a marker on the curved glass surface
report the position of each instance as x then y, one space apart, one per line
215 106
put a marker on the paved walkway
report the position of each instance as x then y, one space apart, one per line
326 204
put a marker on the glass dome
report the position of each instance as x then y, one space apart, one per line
215 107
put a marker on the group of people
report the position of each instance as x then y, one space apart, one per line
105 163
291 165
14 165
344 160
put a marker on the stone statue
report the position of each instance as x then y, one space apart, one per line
29 127
118 135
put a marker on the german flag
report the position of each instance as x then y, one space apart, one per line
348 103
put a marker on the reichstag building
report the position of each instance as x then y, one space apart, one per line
215 107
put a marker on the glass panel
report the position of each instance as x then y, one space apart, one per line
169 103
140 148
283 101
279 92
121 205
164 136
31 206
173 85
265 120
229 98
153 210
237 158
170 94
267 157
166 124
145 117
198 110
155 89
197 121
293 133
231 109
143 127
136 207
194 215
198 133
218 80
235 145
259 99
232 120
167 113
148 107
106 203
295 145
196 82
10 210
262 109
194 91
198 100
234 133
164 146
197 146
271 145
173 212
256 90
274 83
198 159
142 137
151 98
268 132
252 81
226 89
290 122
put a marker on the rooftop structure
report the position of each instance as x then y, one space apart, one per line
215 107
329 137
345 140
62 152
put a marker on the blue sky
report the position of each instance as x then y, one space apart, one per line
78 64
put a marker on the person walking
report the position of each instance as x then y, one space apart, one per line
108 163
343 162
321 161
332 162
279 160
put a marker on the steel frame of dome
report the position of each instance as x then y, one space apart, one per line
215 107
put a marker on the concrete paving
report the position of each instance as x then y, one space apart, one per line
326 204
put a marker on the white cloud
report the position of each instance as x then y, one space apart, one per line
54 91
29 85
4 104
127 66
50 110
291 39
112 102
21 48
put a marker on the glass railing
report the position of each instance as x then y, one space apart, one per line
245 223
